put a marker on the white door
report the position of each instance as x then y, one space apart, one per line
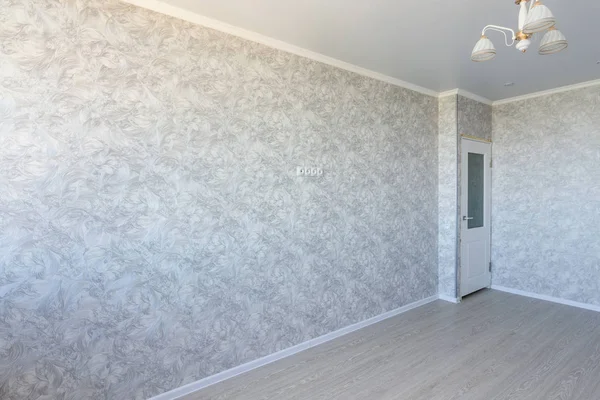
475 209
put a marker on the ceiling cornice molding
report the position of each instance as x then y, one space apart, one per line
447 93
195 18
561 89
475 97
199 19
464 93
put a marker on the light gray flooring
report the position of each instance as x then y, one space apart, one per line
492 346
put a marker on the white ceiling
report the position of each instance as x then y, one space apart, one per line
427 43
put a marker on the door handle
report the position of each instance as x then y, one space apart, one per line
465 218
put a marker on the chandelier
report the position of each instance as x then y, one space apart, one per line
537 18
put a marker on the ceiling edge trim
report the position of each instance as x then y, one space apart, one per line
466 94
447 93
475 97
561 89
199 19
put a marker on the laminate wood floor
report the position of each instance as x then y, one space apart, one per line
494 345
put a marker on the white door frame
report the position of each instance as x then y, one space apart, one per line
467 236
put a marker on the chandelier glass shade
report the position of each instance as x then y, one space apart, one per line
484 50
538 19
553 42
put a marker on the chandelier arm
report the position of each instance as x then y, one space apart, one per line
503 30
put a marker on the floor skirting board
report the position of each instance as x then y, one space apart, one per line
586 306
449 299
230 373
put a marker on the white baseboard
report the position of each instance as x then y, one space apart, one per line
558 300
448 298
230 373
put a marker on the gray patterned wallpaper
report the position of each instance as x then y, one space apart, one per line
447 192
458 115
474 118
152 229
546 194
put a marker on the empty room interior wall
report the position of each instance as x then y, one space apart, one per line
458 115
546 195
474 119
153 230
447 195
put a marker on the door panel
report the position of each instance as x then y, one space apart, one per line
475 219
476 254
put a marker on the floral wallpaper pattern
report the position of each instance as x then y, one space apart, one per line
447 193
474 118
546 195
153 230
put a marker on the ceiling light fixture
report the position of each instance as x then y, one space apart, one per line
553 42
537 18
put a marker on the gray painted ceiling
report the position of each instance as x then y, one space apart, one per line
427 43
